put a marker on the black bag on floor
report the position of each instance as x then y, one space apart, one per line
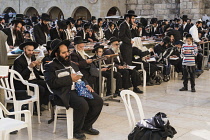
156 128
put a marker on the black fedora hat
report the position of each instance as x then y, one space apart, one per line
184 17
62 24
56 43
113 39
130 13
96 47
166 39
78 40
28 42
45 17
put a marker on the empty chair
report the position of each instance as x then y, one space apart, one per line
8 125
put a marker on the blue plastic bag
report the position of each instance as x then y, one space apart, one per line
82 90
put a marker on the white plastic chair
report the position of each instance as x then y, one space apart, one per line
8 125
144 72
9 92
69 118
125 95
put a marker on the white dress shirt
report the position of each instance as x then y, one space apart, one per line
194 32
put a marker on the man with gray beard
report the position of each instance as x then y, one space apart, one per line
79 57
130 78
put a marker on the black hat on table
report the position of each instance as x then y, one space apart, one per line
56 43
130 13
96 47
113 39
28 42
45 17
78 40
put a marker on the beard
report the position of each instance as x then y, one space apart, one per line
116 50
83 54
64 61
45 28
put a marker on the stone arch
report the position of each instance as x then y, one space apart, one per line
30 11
55 13
114 11
9 9
81 12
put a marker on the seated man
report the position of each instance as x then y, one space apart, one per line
126 73
83 61
86 111
28 68
106 72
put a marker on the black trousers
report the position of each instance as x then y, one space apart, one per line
129 78
118 78
86 111
199 61
177 64
126 52
92 81
191 71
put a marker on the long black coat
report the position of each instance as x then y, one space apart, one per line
116 61
39 34
108 34
54 34
18 40
81 33
59 86
126 46
21 66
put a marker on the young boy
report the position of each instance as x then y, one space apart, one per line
189 52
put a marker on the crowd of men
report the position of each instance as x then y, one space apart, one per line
65 42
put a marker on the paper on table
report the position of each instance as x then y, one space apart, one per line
174 58
131 67
4 70
151 60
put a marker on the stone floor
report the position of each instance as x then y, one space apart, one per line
188 112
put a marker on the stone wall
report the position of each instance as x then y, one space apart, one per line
68 7
169 9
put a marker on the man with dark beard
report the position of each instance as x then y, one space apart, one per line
28 67
125 36
14 33
41 30
61 76
59 31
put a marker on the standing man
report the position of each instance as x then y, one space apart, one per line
41 30
125 36
59 32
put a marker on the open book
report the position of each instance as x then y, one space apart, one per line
4 70
40 56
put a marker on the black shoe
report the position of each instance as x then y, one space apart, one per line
150 84
117 93
193 90
91 131
137 90
79 136
183 89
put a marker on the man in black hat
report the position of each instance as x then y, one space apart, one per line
129 77
61 76
41 30
59 31
85 33
126 37
83 60
28 67
14 33
185 27
48 58
110 31
71 29
117 28
106 72
100 34
93 21
139 31
155 28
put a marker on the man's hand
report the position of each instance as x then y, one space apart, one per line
89 61
201 42
120 67
90 39
89 88
33 64
132 41
11 47
75 77
104 69
38 63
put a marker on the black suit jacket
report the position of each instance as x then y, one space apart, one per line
116 61
81 33
125 33
54 34
186 29
21 66
39 34
108 34
61 87
19 39
153 31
